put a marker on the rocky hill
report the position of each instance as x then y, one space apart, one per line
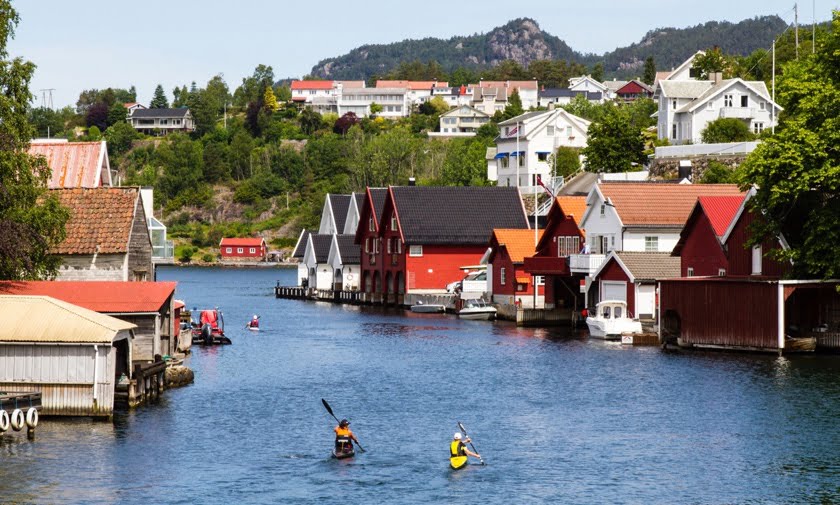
523 41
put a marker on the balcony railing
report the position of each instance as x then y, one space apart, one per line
166 251
738 112
585 263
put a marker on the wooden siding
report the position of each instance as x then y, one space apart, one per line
140 266
702 250
147 341
722 313
740 256
440 265
613 272
63 374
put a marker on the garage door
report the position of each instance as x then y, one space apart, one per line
645 305
613 290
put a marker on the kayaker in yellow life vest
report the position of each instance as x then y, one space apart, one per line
458 451
344 438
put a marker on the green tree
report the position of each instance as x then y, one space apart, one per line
565 161
598 72
650 71
284 94
119 137
710 62
216 166
796 170
183 160
726 130
718 173
465 163
31 221
375 109
615 144
94 134
117 114
310 121
159 99
269 100
514 106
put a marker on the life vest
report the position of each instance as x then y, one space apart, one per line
254 323
457 454
342 438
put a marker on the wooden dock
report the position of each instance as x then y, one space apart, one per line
11 403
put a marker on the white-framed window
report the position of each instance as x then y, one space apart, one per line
745 101
721 272
393 223
502 276
762 105
605 244
415 251
674 131
397 245
388 247
727 100
542 156
252 250
376 242
239 250
549 130
756 260
603 209
568 131
710 105
229 250
652 244
539 280
371 225
689 272
567 246
758 127
367 245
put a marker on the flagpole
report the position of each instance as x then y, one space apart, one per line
518 183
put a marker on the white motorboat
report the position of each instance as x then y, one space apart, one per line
610 320
428 308
477 309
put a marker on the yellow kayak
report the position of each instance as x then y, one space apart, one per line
458 462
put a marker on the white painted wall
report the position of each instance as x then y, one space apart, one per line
598 225
635 241
645 300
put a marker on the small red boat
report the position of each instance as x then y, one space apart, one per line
210 328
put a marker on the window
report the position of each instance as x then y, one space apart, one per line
397 245
140 275
605 244
745 101
651 244
603 209
415 251
710 105
367 245
674 103
606 312
567 246
568 131
502 276
617 312
674 131
504 162
239 250
689 272
371 225
549 130
376 242
228 250
761 105
721 272
252 250
756 260
542 156
727 100
388 246
758 128
393 223
539 280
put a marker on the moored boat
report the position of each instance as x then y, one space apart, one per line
427 308
611 321
477 309
210 328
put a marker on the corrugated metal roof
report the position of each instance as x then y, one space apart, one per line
242 242
73 164
102 296
45 319
720 210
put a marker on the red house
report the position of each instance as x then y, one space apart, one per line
367 236
634 90
562 237
506 261
426 234
632 276
243 249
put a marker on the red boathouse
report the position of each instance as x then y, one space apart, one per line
243 249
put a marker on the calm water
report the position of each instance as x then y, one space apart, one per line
558 418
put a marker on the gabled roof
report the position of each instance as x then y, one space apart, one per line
378 195
720 210
350 252
351 84
574 81
100 219
519 243
242 242
45 319
75 164
458 215
632 84
644 266
506 84
653 204
340 206
683 65
114 297
534 122
316 84
156 113
465 110
758 87
300 246
413 85
684 89
574 206
320 247
614 85
565 92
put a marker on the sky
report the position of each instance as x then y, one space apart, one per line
119 43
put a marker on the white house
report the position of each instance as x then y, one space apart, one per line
334 214
161 121
345 259
316 260
687 107
528 141
306 91
454 96
298 252
588 84
394 102
561 96
463 121
417 92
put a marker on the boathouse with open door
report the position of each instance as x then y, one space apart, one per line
750 314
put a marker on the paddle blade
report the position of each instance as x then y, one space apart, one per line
461 427
327 406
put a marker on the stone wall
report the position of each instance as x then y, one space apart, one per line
668 168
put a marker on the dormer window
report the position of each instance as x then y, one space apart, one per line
603 209
371 225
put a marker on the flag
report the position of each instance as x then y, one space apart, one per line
513 131
540 182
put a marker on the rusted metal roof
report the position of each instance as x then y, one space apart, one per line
100 219
45 319
114 297
75 164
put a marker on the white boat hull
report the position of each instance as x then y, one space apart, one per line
612 328
477 315
428 308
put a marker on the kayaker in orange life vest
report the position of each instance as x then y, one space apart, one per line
344 438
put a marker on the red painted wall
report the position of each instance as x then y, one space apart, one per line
702 250
393 263
444 263
740 258
259 251
613 272
502 260
371 262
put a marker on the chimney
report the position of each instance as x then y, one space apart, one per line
411 181
717 77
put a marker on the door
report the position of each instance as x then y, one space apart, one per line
613 290
646 301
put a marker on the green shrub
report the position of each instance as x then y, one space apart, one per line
184 253
208 258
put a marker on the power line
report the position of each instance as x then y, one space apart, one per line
45 103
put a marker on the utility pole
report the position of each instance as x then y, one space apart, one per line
47 98
814 27
796 27
773 87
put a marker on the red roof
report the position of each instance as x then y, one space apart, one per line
720 210
312 85
646 203
100 219
74 164
242 242
416 85
112 297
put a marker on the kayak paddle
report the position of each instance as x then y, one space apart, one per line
464 431
330 410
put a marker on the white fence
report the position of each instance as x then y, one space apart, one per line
724 149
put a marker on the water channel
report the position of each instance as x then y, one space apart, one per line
559 418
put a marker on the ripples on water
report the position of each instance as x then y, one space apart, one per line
559 418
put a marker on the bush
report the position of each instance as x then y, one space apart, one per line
718 173
726 130
185 254
208 258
